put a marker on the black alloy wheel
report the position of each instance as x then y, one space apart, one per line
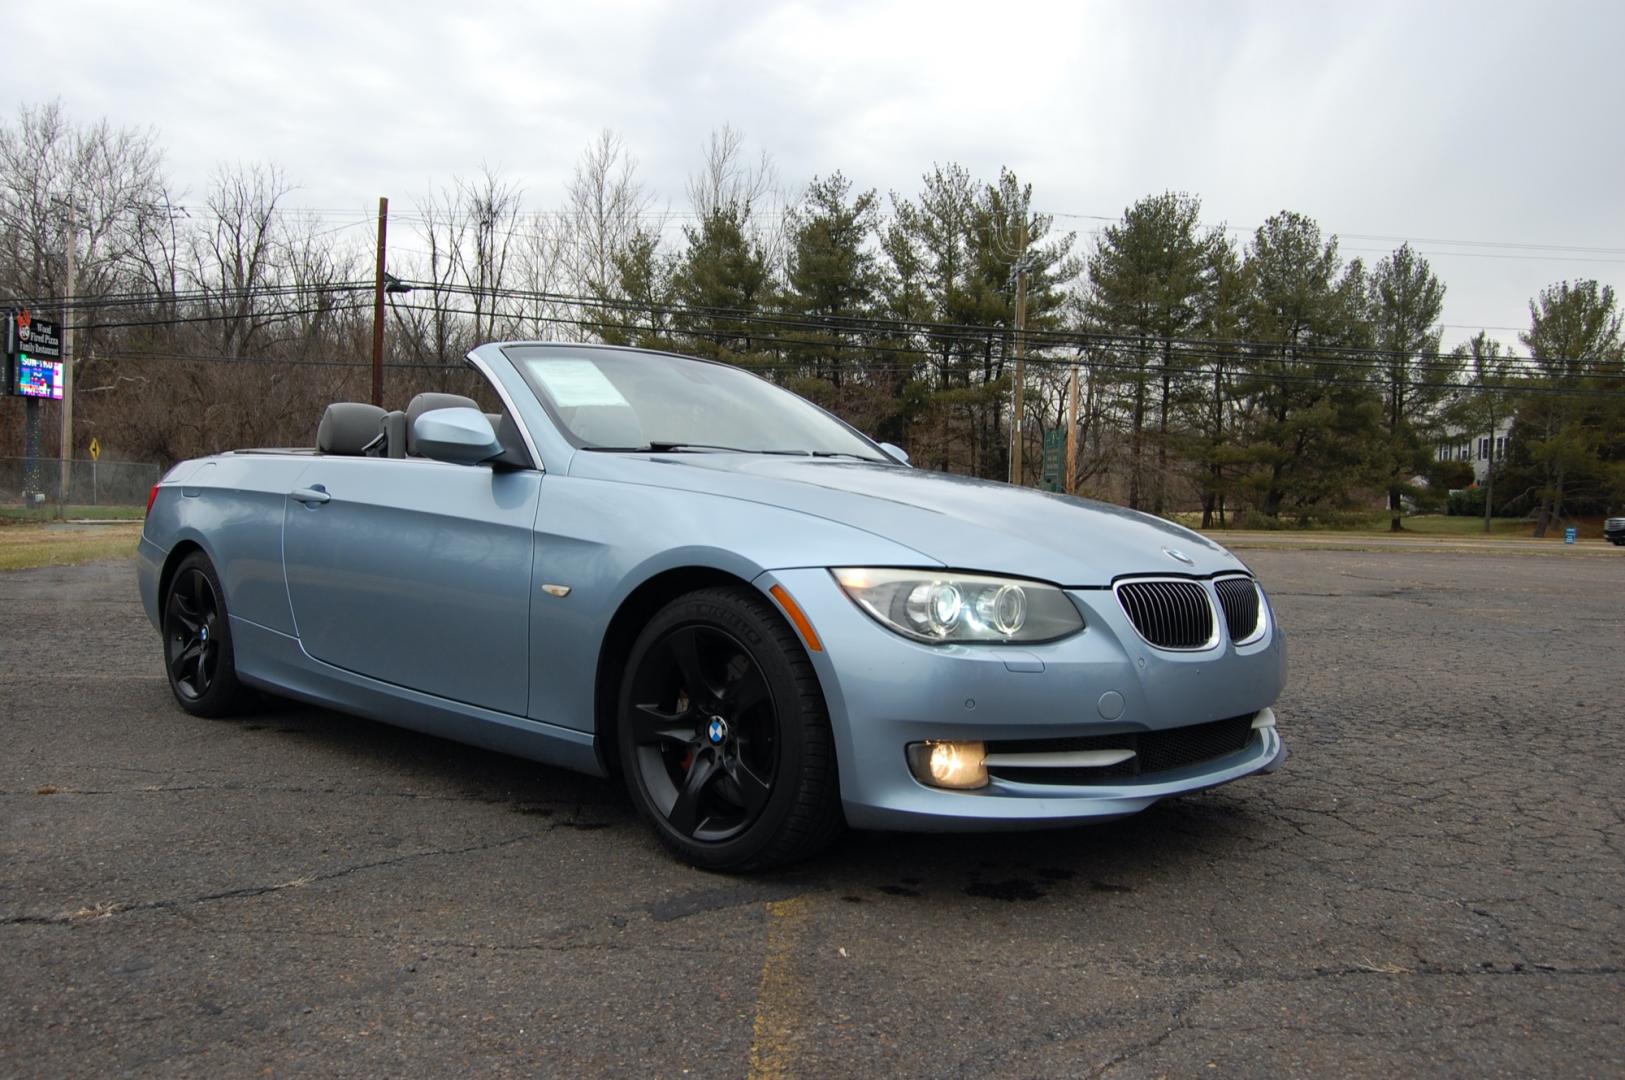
704 725
723 734
198 656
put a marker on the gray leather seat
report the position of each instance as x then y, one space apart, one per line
349 428
426 403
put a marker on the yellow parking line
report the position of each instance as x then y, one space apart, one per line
778 996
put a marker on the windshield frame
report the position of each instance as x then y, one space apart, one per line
881 455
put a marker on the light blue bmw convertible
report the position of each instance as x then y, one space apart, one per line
767 624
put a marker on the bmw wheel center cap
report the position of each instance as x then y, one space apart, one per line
717 731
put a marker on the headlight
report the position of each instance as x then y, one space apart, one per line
943 606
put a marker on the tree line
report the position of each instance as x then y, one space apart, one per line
1262 374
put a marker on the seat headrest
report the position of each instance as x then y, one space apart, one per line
427 403
348 427
395 434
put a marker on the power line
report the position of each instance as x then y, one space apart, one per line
277 315
92 302
1240 373
1322 355
1238 380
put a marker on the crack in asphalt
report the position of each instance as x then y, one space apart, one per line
1181 1008
277 789
92 912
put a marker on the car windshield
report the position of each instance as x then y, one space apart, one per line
609 400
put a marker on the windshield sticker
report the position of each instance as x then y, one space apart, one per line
576 383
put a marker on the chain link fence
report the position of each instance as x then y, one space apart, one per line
54 488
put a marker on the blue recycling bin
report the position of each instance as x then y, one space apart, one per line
1570 535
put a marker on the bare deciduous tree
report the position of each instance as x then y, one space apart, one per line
113 179
605 206
233 255
490 207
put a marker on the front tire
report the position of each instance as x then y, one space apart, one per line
198 655
724 738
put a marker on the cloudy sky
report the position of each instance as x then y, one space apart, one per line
1486 133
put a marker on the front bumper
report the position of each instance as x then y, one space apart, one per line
885 691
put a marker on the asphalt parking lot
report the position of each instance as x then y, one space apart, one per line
1432 885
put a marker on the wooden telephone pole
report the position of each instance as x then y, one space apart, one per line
1017 475
1071 484
68 286
378 308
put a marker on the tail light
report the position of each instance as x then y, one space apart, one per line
152 496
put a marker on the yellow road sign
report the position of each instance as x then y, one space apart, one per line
95 449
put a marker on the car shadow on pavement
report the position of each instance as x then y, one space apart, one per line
437 766
1112 859
1116 858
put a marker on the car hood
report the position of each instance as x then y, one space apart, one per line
957 521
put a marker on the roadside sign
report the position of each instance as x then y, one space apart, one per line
1570 535
33 361
95 455
39 338
1054 460
38 378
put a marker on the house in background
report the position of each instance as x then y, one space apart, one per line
1482 450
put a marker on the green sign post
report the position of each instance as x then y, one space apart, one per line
1054 460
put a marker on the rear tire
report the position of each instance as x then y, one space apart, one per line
198 656
724 738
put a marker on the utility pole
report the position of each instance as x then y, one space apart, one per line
1016 473
68 293
1070 487
378 308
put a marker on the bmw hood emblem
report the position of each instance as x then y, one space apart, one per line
1178 556
717 731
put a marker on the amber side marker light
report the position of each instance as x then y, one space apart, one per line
798 617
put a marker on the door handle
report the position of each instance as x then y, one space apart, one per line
311 496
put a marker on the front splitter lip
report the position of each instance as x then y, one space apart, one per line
1003 805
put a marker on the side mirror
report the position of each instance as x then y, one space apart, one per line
895 451
461 436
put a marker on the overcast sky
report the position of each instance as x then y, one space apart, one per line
1495 127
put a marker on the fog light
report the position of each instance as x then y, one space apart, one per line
949 764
